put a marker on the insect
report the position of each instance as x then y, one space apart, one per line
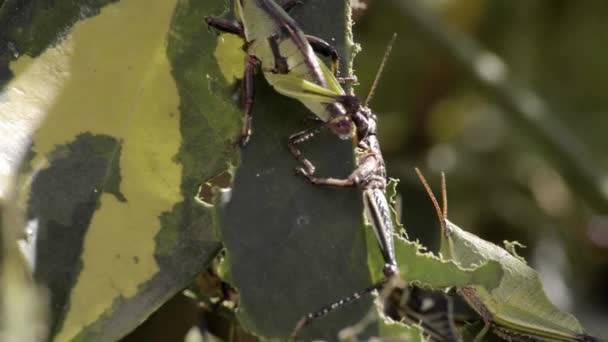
518 309
287 59
289 64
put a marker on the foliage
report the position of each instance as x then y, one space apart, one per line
111 173
118 127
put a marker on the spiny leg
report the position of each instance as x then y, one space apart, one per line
362 174
225 25
296 139
392 287
365 176
249 92
377 208
322 312
308 169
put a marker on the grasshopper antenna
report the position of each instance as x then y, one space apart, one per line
444 196
380 69
441 212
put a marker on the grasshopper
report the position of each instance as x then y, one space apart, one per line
287 59
288 62
518 309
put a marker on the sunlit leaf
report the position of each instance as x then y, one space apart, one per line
137 115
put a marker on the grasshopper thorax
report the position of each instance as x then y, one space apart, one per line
365 122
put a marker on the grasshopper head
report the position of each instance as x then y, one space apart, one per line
341 123
342 126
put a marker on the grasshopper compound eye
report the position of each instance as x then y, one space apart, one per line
342 127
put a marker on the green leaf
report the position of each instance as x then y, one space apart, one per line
425 269
519 304
429 271
29 26
137 115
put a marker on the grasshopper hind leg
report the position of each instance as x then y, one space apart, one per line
324 311
295 139
323 48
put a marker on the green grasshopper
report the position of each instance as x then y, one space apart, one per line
288 61
518 309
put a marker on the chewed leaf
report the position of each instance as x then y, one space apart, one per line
230 57
221 182
424 269
430 271
511 247
519 304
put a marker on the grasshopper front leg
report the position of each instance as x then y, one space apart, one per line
308 169
295 139
365 177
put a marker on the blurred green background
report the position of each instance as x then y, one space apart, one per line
501 182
